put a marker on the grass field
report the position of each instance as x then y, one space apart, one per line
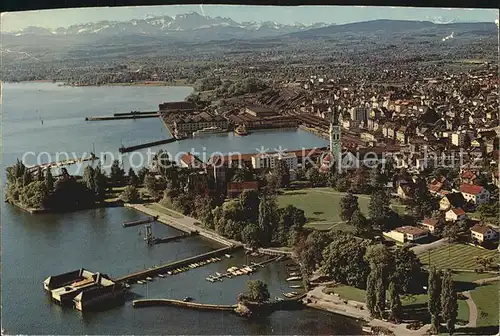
114 194
163 210
322 206
486 299
455 256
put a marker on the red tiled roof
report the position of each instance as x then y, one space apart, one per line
191 160
240 186
458 211
435 187
470 189
467 174
480 228
410 230
430 221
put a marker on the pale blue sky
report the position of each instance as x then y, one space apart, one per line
304 14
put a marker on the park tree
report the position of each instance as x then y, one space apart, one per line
49 180
314 176
39 174
141 174
422 203
250 235
27 178
34 195
343 183
281 173
290 221
151 184
452 232
13 173
267 219
130 194
394 302
360 182
371 293
132 177
117 174
257 291
377 179
449 305
100 181
360 223
249 202
203 205
406 270
434 301
348 205
89 178
380 211
343 260
379 259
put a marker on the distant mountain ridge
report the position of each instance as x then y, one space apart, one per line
166 25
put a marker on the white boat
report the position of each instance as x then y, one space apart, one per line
296 286
228 256
209 130
294 278
218 274
161 275
127 285
149 278
169 273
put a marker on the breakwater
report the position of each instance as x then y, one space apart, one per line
135 113
178 303
146 145
123 117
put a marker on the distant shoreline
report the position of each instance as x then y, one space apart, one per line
180 83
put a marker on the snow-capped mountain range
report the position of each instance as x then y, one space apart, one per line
164 25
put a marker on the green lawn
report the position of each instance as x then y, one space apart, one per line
486 300
162 209
348 292
322 206
114 194
455 256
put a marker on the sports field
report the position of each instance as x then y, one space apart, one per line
322 206
455 256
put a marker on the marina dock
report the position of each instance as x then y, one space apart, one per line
174 238
171 266
140 222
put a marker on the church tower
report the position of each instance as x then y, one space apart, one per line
335 140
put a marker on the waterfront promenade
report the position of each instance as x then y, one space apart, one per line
185 224
332 303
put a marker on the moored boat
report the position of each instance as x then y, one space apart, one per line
241 130
209 130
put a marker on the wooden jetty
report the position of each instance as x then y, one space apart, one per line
146 145
162 269
173 238
62 163
123 117
140 221
192 305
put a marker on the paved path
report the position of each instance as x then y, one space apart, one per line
483 281
185 223
472 310
419 249
334 304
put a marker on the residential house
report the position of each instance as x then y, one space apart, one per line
475 194
405 234
234 189
495 178
468 176
431 224
404 191
451 200
270 160
188 160
454 214
483 233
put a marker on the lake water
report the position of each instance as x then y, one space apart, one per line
35 247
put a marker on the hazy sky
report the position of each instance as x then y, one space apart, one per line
304 14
